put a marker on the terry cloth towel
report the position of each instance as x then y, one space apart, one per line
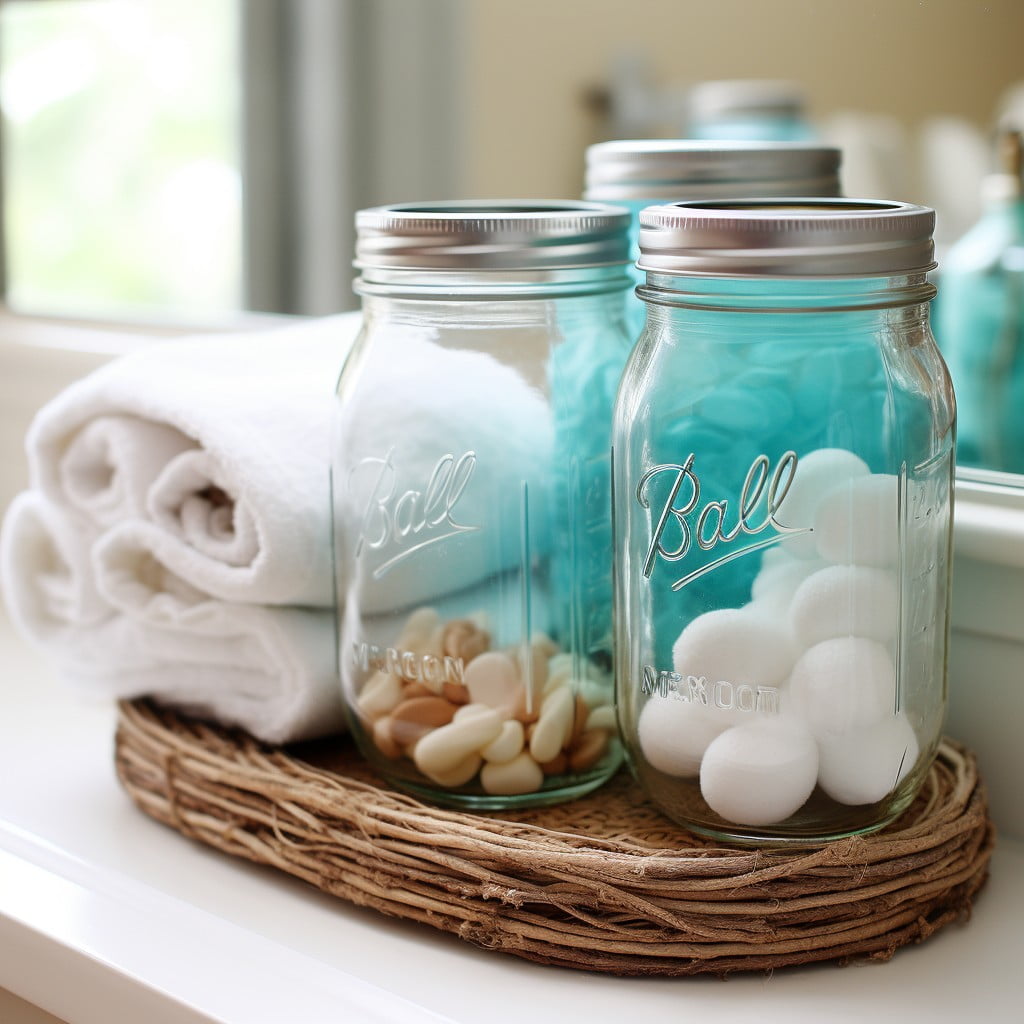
223 442
147 632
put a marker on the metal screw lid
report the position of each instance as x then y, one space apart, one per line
676 169
475 235
787 238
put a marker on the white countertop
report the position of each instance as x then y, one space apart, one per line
108 917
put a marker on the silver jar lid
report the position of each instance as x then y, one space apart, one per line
487 236
787 238
669 169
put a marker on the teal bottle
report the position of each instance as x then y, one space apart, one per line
980 322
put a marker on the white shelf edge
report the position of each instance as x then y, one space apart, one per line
120 948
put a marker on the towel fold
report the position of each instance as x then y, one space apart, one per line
223 441
140 630
109 465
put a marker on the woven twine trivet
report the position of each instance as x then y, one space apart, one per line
604 883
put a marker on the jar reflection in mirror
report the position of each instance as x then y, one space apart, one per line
981 320
783 467
471 486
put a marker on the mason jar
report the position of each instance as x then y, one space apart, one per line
637 173
783 468
472 498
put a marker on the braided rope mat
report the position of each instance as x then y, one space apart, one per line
605 883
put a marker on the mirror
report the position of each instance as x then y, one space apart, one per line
195 160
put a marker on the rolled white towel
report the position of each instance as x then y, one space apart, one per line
107 469
47 577
229 438
146 632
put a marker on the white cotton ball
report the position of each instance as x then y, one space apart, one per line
845 600
817 473
857 522
761 773
843 684
865 765
674 734
774 586
735 645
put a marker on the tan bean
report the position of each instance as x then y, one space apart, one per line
510 778
557 765
527 711
456 693
413 719
553 726
591 747
383 740
412 690
379 695
462 638
579 720
508 745
441 751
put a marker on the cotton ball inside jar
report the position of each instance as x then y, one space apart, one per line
845 600
776 583
817 473
865 765
759 773
737 645
857 522
843 684
674 734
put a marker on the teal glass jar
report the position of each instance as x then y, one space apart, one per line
783 464
472 496
637 173
980 322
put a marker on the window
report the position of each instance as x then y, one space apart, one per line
189 160
122 156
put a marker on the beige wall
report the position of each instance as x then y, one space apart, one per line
529 63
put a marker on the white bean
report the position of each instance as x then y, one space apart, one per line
442 750
520 775
602 717
460 774
508 745
554 725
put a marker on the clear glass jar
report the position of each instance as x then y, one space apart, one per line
472 497
783 464
637 173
